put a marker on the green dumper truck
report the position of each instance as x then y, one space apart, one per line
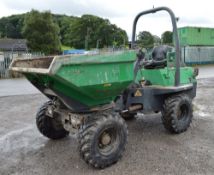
91 95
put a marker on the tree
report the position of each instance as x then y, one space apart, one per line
87 31
11 26
157 40
166 37
41 32
145 39
91 31
65 23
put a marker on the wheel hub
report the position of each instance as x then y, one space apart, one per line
105 139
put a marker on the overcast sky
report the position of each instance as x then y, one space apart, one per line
122 12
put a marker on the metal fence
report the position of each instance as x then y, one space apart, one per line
7 57
198 55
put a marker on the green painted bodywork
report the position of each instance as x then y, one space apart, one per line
166 76
91 80
98 79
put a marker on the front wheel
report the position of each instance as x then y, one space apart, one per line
102 140
177 113
50 127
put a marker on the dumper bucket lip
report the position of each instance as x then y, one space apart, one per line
30 70
52 68
12 66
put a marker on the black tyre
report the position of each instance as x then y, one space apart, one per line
177 113
48 126
128 116
102 140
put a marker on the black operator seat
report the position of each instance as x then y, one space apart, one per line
158 57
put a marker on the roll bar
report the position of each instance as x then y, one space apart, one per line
175 33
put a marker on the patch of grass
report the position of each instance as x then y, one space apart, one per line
63 47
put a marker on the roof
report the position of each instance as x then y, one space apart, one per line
13 44
195 27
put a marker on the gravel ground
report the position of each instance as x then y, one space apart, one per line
150 149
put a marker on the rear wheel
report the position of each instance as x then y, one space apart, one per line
50 127
102 140
177 113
